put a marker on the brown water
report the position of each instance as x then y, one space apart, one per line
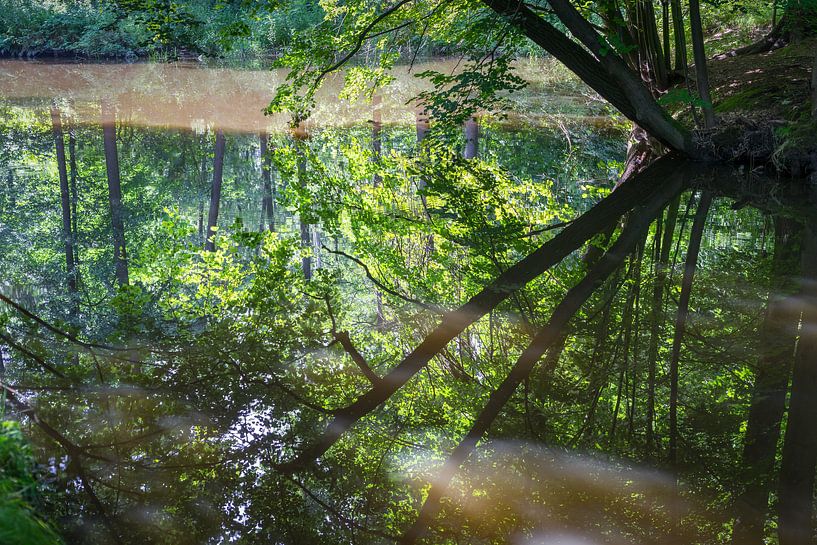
190 95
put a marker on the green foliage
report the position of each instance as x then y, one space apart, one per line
19 488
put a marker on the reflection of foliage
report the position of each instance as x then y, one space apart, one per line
19 525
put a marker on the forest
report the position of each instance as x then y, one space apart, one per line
536 272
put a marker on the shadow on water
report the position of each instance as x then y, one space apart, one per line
391 342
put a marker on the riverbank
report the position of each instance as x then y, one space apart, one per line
764 101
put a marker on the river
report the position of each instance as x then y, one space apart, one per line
303 375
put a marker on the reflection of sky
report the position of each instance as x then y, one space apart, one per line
194 96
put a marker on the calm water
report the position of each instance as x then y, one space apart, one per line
674 407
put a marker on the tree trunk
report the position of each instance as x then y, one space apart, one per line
268 203
778 336
814 89
680 37
796 490
65 198
665 18
215 192
471 138
701 73
120 254
601 69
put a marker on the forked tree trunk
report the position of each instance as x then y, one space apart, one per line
215 191
120 254
65 198
778 335
796 491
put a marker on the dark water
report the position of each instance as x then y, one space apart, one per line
671 402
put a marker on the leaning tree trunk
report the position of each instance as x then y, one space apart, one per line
65 198
701 73
778 336
796 489
215 192
601 68
120 254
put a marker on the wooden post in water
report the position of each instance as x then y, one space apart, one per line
215 192
471 138
114 191
67 229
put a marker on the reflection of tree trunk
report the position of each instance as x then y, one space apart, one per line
796 490
267 202
471 138
72 169
695 236
662 244
694 248
422 124
300 136
777 341
701 74
657 178
377 150
114 192
573 300
377 139
215 192
65 199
